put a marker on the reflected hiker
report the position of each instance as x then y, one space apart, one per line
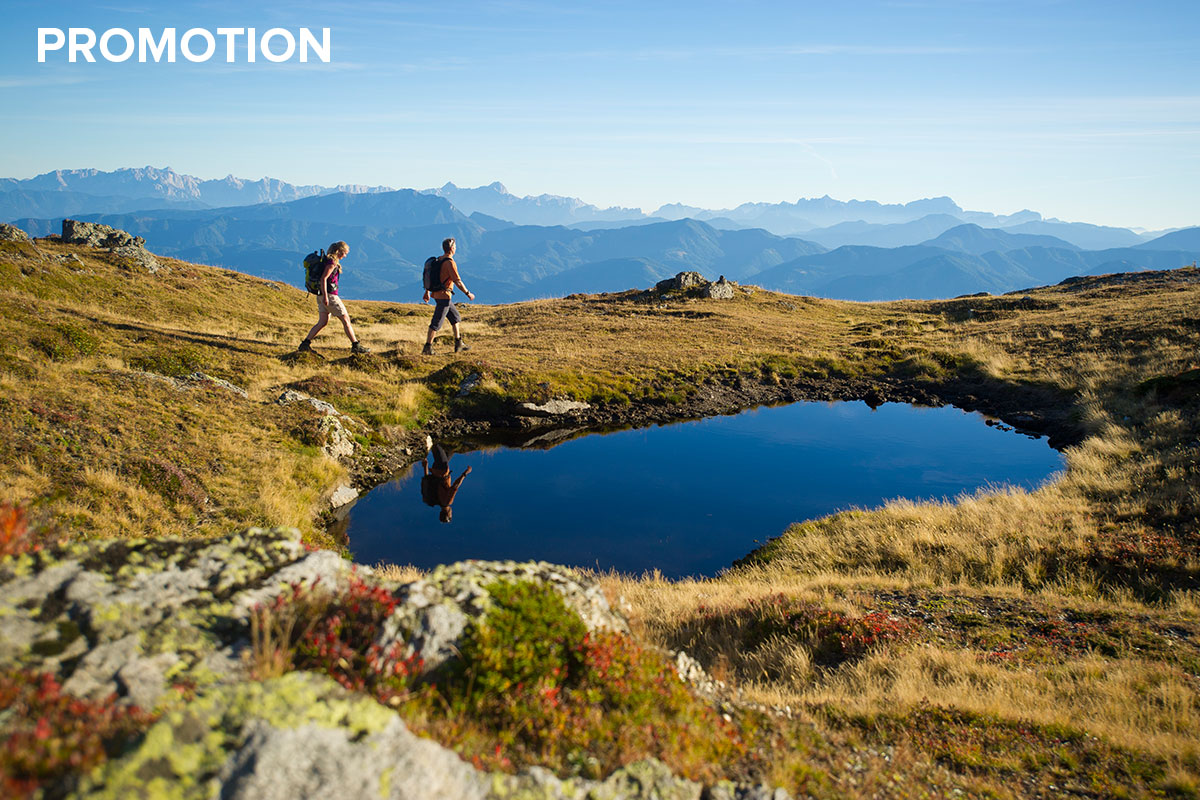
436 488
440 278
321 278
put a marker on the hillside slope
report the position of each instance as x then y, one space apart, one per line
1011 644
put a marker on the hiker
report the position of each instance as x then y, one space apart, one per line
442 294
328 302
436 488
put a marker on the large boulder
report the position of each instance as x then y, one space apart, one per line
437 609
11 233
721 290
682 282
117 242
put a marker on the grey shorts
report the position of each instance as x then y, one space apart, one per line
444 310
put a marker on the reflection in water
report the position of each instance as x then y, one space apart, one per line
686 499
436 488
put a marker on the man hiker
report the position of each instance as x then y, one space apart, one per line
328 302
443 308
436 488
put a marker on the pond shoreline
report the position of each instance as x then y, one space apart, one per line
1032 410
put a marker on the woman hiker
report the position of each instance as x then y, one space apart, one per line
328 302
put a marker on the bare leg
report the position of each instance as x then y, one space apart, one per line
457 332
429 337
349 328
321 322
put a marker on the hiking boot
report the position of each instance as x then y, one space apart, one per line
305 346
460 345
427 350
357 347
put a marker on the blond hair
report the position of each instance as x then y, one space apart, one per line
338 249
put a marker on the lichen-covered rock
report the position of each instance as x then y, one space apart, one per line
11 233
95 234
131 617
291 396
337 441
141 619
436 610
681 282
720 290
118 242
302 736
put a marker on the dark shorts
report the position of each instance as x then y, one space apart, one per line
441 459
444 310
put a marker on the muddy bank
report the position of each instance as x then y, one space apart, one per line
1028 409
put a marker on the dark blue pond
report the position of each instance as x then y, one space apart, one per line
692 497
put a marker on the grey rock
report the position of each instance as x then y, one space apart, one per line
94 234
725 790
552 408
118 242
721 290
193 380
37 586
11 233
339 443
319 568
312 761
200 377
17 634
469 384
342 496
682 281
292 396
140 256
96 674
144 680
435 610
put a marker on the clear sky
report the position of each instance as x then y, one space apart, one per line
1085 111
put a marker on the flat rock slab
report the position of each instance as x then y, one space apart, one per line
552 408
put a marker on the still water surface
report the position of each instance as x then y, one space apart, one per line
691 497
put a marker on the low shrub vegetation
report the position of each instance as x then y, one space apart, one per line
50 738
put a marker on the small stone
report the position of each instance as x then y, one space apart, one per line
343 495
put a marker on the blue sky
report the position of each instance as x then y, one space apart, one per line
1086 111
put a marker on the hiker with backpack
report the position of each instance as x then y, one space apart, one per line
440 278
436 487
322 270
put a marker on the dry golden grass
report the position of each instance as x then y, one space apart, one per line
1114 534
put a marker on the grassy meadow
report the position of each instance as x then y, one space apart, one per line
1005 644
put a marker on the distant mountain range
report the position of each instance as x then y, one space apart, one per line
921 249
166 186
